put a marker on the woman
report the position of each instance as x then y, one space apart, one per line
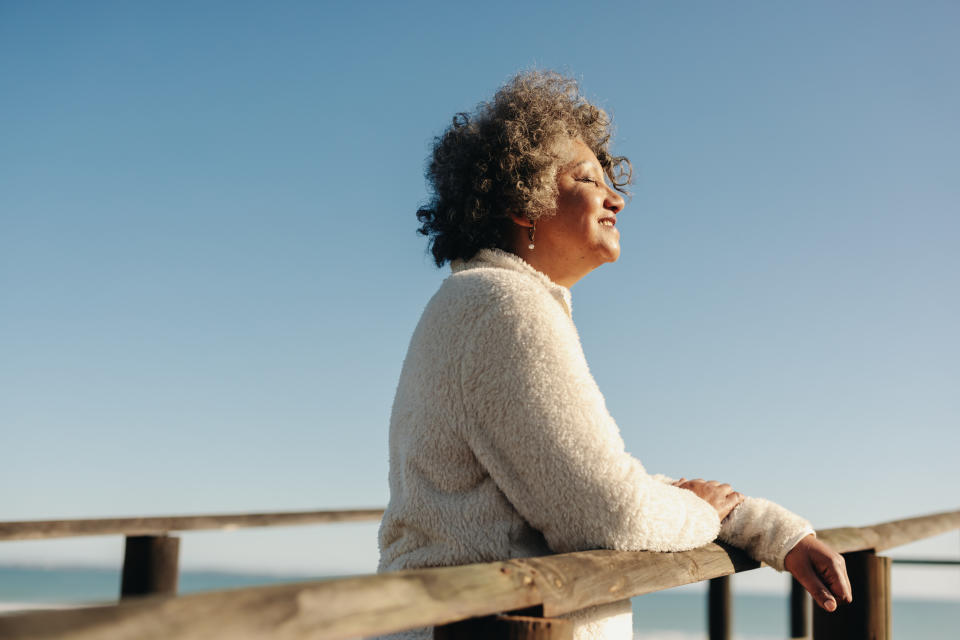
500 442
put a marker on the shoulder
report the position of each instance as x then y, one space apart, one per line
496 299
484 296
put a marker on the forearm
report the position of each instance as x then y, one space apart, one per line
764 530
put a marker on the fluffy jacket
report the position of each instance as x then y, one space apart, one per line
501 446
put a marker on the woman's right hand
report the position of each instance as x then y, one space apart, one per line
821 570
721 496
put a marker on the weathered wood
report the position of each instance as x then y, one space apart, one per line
574 581
799 611
331 610
150 566
880 537
719 615
868 616
42 529
890 534
371 605
506 627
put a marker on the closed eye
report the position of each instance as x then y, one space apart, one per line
591 180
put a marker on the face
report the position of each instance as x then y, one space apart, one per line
581 235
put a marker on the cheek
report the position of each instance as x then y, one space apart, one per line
573 223
561 225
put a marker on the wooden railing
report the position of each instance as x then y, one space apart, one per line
461 602
151 555
44 529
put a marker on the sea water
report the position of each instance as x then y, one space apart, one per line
668 615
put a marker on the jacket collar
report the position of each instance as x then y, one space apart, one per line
499 259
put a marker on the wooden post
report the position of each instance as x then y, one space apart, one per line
799 611
150 566
719 619
868 616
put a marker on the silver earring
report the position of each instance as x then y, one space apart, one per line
530 231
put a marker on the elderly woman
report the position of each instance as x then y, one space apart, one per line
501 445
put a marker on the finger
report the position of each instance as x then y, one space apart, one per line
834 572
817 590
724 505
847 587
735 500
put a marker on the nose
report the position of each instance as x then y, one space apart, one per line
614 201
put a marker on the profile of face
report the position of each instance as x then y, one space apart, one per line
581 234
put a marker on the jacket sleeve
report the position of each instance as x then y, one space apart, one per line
765 530
537 422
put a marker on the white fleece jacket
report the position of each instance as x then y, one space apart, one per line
501 445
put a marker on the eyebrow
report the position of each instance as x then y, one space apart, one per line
589 163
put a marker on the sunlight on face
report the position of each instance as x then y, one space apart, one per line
581 234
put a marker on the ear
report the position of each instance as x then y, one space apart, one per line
520 219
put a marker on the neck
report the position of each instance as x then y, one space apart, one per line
540 259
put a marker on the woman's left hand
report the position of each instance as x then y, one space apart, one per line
821 570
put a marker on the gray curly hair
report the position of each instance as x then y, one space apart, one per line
503 159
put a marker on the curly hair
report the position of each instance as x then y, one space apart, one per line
503 159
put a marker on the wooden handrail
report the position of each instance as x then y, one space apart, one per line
370 605
888 535
44 529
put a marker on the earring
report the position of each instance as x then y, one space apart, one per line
530 231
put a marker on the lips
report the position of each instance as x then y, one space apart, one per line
608 221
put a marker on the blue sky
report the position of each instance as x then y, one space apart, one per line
209 270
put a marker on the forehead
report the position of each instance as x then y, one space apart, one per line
579 155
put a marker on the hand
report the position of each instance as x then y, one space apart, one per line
821 570
721 496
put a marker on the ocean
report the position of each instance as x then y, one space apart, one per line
668 615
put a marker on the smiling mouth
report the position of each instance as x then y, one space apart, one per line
608 222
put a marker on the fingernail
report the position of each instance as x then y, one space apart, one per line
830 605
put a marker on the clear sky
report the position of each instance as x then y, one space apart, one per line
209 269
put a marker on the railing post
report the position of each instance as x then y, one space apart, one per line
868 616
719 619
799 611
150 566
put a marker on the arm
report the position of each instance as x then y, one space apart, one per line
766 531
784 540
537 422
817 567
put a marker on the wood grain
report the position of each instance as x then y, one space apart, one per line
159 525
371 605
573 581
890 534
868 616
